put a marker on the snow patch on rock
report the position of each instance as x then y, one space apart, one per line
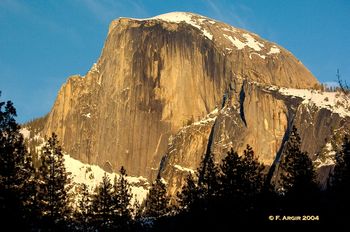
25 132
252 43
336 102
88 115
327 159
274 50
178 17
236 42
257 54
178 167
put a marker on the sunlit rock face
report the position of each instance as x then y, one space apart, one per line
162 85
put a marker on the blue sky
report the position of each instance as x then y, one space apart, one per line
42 42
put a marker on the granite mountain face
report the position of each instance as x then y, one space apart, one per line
163 86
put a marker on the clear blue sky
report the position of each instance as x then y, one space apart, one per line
42 42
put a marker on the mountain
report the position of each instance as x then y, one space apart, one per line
166 89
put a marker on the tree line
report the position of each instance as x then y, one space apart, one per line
218 196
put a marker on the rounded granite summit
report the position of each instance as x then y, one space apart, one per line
251 56
155 76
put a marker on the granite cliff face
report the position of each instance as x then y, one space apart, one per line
269 114
163 84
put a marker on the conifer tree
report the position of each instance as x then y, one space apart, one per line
137 209
103 205
16 170
241 182
54 184
208 181
188 196
157 201
253 178
298 178
32 211
231 169
122 192
340 179
85 209
340 182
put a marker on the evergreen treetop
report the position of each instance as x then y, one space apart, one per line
298 175
103 204
340 179
208 177
157 202
54 183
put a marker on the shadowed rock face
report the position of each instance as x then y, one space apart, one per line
156 76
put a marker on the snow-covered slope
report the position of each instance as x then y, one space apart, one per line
91 175
336 102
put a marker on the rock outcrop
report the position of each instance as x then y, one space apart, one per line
163 84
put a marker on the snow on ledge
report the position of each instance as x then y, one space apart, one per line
178 167
334 101
209 118
255 53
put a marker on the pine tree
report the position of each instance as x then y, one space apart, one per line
231 169
122 192
298 177
340 182
253 178
32 211
54 185
157 201
208 178
85 209
241 182
137 209
188 196
103 205
16 171
340 179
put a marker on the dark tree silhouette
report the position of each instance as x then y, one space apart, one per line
122 194
340 179
84 214
339 184
16 172
254 177
188 195
297 177
231 169
208 178
54 185
157 201
242 177
104 206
